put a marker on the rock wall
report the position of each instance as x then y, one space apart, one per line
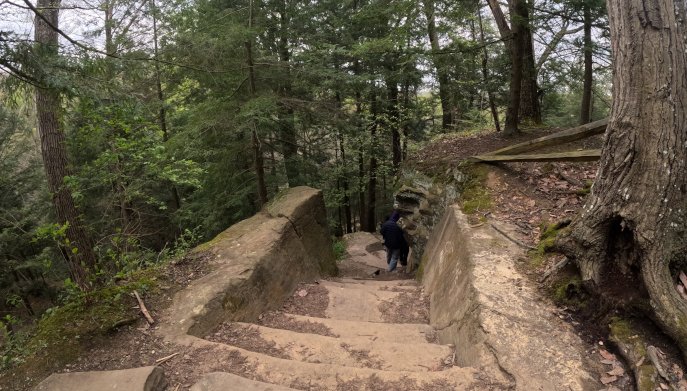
481 304
258 263
421 203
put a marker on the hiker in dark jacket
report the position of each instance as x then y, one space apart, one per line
393 240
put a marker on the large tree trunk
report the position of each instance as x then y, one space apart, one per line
585 116
79 251
634 218
442 75
518 8
530 110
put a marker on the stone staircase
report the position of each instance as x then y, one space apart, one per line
361 350
364 330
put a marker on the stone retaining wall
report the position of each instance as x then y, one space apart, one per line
481 304
258 263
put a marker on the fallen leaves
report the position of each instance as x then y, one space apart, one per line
608 379
613 374
607 355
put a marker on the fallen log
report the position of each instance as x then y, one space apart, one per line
563 137
576 156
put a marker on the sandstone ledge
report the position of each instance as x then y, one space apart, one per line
258 263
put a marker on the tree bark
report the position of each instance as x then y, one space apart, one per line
485 74
78 248
347 199
530 110
361 161
516 46
288 131
258 162
639 200
392 89
442 75
585 116
370 224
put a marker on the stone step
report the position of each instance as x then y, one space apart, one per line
349 352
369 287
357 304
220 381
329 377
372 282
136 379
380 332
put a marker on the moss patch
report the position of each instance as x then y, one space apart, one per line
547 243
567 290
421 269
60 336
621 331
474 192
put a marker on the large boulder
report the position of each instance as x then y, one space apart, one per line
258 263
137 379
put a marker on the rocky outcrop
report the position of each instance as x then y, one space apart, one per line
258 263
482 305
137 379
421 203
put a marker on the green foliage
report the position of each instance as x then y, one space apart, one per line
339 248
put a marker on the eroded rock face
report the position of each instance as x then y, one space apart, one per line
421 203
482 305
259 262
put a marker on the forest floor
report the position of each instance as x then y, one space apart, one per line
533 196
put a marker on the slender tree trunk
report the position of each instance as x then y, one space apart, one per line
161 98
288 136
635 217
516 55
406 116
392 89
347 199
79 251
585 116
442 75
255 138
530 110
485 74
371 224
361 161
